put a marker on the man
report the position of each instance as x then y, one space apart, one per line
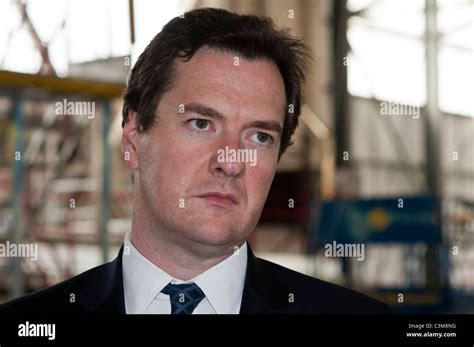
211 81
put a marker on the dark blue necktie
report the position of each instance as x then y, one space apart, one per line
184 297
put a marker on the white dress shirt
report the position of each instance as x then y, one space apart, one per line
223 284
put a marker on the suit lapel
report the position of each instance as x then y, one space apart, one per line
105 293
262 291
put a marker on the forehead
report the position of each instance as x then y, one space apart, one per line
235 79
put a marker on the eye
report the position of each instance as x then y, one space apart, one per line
200 124
262 138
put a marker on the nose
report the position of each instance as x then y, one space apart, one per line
226 162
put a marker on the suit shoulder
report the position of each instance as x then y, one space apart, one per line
54 299
317 295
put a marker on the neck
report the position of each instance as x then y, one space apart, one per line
172 258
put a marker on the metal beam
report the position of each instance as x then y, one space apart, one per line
17 288
61 85
341 48
47 67
106 200
433 114
131 15
433 138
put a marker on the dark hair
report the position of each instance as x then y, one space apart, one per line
249 36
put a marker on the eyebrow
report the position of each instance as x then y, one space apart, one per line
203 110
212 113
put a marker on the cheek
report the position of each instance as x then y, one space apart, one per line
259 182
170 168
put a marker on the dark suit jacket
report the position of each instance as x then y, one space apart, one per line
268 288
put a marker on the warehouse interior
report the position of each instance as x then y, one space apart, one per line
383 155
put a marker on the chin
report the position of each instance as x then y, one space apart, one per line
213 233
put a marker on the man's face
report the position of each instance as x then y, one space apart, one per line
189 187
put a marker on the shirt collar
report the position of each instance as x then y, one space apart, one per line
222 284
143 280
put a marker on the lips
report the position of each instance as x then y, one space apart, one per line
220 198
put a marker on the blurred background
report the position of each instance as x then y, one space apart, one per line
383 156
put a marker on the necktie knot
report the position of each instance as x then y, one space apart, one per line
183 297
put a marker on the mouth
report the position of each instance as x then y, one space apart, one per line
219 198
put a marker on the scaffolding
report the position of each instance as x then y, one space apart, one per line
55 156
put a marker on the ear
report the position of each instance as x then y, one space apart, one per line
129 141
